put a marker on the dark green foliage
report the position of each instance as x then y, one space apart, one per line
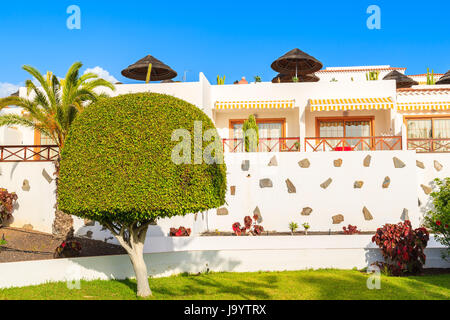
116 164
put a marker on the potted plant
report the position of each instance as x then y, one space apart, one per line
293 226
257 79
294 79
306 226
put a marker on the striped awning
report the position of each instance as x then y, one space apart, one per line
351 104
432 105
266 104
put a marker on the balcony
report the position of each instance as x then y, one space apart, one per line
317 144
264 145
28 153
429 145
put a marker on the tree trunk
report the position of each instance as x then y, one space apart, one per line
62 227
134 245
140 269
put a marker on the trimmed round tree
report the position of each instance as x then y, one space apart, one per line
132 159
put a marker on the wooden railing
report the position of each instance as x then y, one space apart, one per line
28 153
264 145
429 145
353 143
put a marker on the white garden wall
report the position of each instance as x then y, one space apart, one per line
277 207
169 256
35 187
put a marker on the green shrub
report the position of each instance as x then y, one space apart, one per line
251 134
117 168
117 163
438 219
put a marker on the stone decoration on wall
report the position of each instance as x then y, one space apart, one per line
405 215
358 184
438 166
265 183
304 163
306 211
89 223
257 213
245 165
398 163
326 184
233 190
420 164
338 163
28 227
290 186
367 161
222 212
46 176
367 215
426 189
337 219
386 182
273 162
26 185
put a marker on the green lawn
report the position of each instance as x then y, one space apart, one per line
301 285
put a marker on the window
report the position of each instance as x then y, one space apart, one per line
420 131
268 129
348 127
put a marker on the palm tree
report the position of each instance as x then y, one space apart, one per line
55 104
50 109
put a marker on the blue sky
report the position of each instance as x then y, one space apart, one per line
231 38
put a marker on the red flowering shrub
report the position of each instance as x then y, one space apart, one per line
351 230
247 229
402 247
7 201
68 249
180 232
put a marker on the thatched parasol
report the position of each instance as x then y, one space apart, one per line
445 79
284 78
402 80
138 71
296 62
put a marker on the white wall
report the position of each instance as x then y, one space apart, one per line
36 206
426 176
278 207
169 256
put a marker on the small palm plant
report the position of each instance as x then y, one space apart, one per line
293 226
307 227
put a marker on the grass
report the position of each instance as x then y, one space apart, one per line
298 285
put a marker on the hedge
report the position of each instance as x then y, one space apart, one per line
116 164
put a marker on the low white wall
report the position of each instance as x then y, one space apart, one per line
169 256
36 204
